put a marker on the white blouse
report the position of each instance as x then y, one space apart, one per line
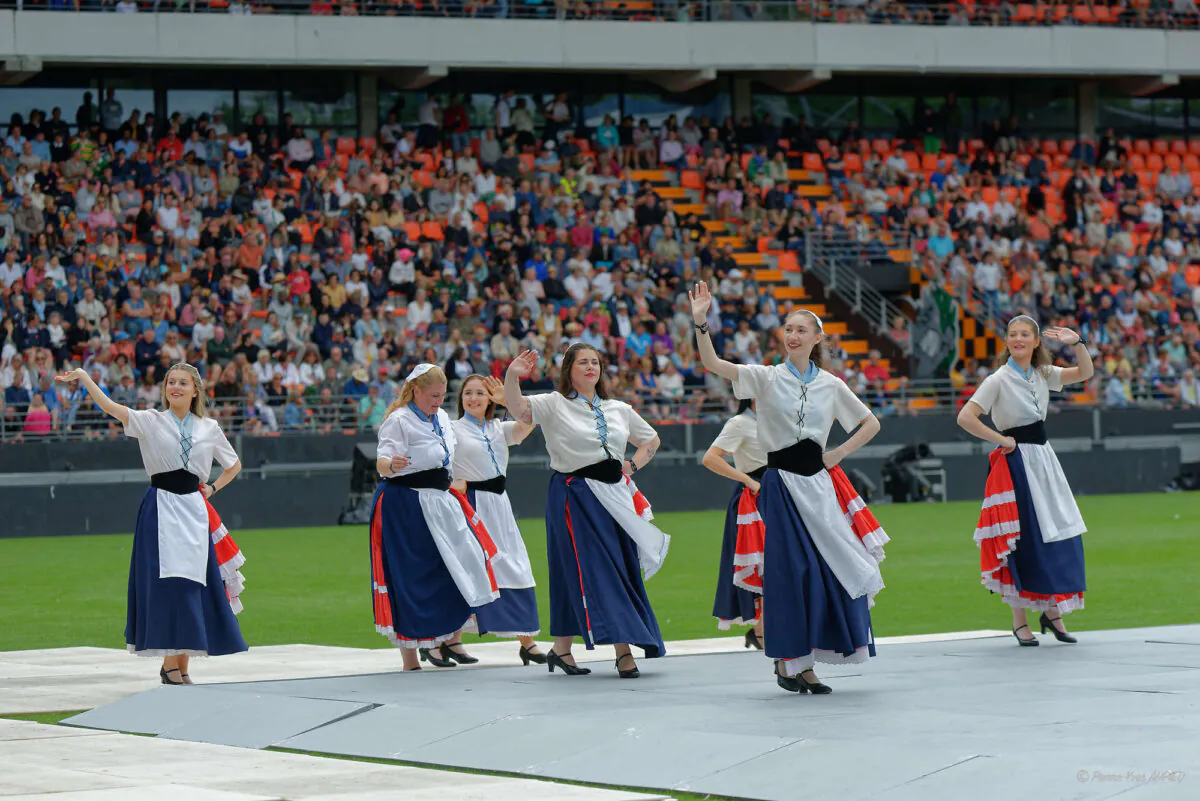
572 439
163 440
1012 400
472 461
404 433
739 437
790 410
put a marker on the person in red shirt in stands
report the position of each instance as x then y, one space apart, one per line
299 282
170 148
873 370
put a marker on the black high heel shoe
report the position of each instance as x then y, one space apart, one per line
436 661
752 640
528 656
553 660
448 652
1026 643
814 687
1061 636
632 673
788 683
165 676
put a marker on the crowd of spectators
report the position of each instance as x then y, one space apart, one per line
1099 236
1169 14
306 274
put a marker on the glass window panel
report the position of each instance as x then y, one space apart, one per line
1127 115
255 101
191 103
991 108
323 103
656 108
823 112
1169 115
403 103
21 100
597 107
1047 110
888 116
131 100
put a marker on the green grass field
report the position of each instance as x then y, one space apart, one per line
310 585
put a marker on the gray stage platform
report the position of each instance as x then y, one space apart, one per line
1116 715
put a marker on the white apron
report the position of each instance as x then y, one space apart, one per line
511 566
617 499
1057 513
460 551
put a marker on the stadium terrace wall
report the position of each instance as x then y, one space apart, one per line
1099 451
281 41
316 499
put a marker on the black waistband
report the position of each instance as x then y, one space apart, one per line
438 478
1032 434
496 485
608 471
757 474
178 482
803 458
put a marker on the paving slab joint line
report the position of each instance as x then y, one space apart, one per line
924 776
367 707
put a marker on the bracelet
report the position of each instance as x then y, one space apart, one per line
633 465
1080 342
702 328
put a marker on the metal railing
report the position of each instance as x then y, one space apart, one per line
872 13
308 414
838 262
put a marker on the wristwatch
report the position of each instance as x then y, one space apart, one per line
633 467
702 328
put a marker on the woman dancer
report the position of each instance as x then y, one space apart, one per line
739 580
1030 548
480 464
599 540
822 548
430 561
182 599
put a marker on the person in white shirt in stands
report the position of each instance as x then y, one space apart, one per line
1031 551
480 468
430 562
822 547
183 578
739 577
599 538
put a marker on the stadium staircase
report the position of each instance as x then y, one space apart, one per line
777 273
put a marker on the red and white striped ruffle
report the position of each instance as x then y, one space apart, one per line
861 521
640 504
481 534
748 548
384 624
229 558
997 534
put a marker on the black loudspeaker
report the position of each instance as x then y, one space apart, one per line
363 478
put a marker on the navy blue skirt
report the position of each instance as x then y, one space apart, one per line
733 605
1038 567
514 614
175 616
811 614
427 606
596 588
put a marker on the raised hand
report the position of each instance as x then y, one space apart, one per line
701 299
71 375
495 389
1063 335
523 365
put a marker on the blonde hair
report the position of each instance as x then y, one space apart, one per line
433 375
199 406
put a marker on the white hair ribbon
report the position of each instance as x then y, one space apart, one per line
1031 321
418 371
